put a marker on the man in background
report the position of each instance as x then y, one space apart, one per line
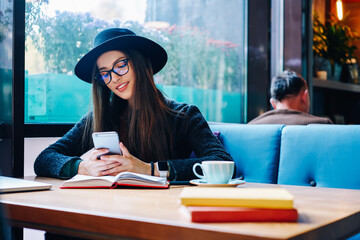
291 102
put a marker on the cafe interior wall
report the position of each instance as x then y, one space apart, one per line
350 7
353 20
341 106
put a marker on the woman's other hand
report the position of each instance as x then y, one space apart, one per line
127 163
93 166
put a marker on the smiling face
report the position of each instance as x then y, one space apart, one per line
122 86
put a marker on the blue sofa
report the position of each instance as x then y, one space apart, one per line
313 155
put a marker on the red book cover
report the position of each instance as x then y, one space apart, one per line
239 214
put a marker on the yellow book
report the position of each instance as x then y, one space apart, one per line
237 197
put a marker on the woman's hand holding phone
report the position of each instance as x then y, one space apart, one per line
118 153
104 143
91 165
111 157
109 140
127 163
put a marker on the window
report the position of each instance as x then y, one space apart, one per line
205 42
6 94
6 47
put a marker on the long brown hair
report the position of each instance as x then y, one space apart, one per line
149 134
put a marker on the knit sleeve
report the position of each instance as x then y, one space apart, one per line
59 159
195 133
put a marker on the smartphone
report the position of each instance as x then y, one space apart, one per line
109 140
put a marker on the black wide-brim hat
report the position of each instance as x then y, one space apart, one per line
120 39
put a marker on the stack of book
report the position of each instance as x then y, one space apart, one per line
238 204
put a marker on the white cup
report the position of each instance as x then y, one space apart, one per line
215 172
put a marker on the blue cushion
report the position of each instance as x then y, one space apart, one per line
320 155
254 148
354 237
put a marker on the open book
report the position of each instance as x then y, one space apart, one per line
122 179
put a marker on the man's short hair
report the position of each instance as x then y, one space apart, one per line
289 83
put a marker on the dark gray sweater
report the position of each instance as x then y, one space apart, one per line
190 133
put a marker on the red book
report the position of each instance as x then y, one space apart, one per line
239 214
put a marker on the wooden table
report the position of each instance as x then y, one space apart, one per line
325 213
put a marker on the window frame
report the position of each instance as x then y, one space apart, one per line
33 130
18 86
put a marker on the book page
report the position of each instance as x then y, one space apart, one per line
85 180
142 179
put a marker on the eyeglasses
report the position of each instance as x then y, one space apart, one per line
120 68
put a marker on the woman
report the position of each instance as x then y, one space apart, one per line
151 127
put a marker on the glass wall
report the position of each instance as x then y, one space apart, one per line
6 22
6 66
205 42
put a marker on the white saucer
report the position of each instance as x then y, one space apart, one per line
203 183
